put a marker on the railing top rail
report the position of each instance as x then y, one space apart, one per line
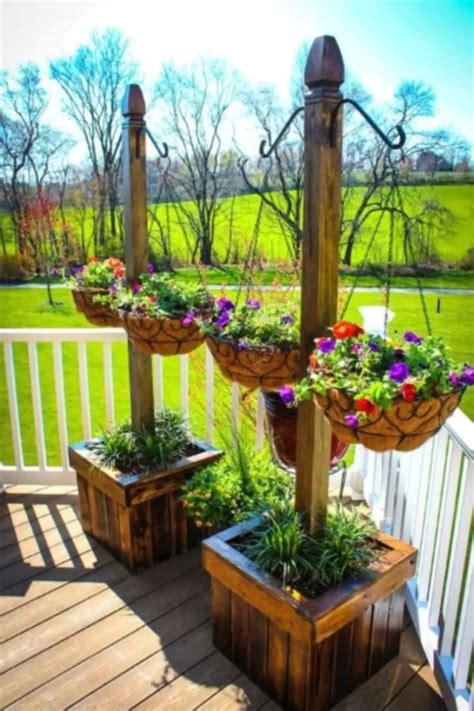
28 335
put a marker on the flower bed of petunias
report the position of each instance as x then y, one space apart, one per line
97 274
375 371
159 296
254 324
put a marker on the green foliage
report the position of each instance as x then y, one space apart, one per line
255 323
134 449
159 295
240 485
281 546
98 275
376 370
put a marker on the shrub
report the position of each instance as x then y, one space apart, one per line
240 485
135 449
15 268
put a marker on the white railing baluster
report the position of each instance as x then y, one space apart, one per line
158 382
260 422
448 501
391 490
411 481
423 475
60 403
37 409
109 384
13 406
184 385
84 390
463 649
438 465
400 502
209 396
457 558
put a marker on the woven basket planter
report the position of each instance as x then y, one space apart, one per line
98 314
166 336
258 366
405 426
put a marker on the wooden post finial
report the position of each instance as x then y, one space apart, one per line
133 102
324 66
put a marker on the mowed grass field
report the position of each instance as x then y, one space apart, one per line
271 244
26 308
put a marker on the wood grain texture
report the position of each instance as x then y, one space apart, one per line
320 260
136 242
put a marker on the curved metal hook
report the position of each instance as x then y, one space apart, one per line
267 154
393 146
162 153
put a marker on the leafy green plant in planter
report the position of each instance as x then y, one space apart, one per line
135 449
237 487
281 546
93 286
162 315
255 344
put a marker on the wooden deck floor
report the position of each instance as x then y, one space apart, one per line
78 631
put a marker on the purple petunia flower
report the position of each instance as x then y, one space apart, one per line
223 319
326 345
113 289
76 270
356 347
136 287
411 337
253 304
187 321
352 421
467 375
150 269
399 372
374 347
287 394
455 380
225 304
287 320
242 344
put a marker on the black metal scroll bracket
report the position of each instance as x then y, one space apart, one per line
163 153
267 154
333 126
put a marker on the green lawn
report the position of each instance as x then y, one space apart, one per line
271 244
25 308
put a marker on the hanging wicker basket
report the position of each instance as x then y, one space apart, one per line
403 427
98 314
165 336
257 366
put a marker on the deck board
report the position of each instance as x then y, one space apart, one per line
78 631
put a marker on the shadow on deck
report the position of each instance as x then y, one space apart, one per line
78 631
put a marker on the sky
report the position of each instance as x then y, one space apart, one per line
382 41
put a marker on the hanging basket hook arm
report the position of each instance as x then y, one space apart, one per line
162 152
266 154
391 144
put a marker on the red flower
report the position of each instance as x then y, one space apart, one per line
153 298
365 405
408 392
313 362
92 260
119 271
344 329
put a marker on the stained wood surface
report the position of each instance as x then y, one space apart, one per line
324 74
136 242
116 641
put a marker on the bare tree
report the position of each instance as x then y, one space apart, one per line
28 146
93 80
196 104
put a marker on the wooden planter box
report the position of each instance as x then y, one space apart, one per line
139 518
306 654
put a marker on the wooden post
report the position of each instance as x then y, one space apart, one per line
324 74
136 242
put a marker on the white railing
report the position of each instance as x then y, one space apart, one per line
17 472
425 497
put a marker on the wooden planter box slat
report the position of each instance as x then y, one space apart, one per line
138 518
307 654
